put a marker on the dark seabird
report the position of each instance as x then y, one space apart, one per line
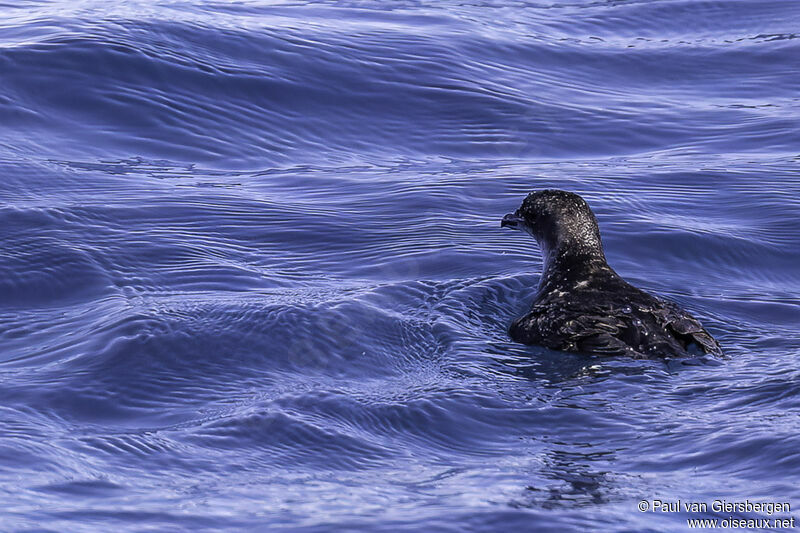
583 305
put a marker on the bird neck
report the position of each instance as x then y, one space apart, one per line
566 265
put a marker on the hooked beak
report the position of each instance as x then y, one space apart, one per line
512 220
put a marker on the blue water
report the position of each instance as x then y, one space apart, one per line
252 275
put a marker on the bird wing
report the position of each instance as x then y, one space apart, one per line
593 331
602 334
685 328
602 330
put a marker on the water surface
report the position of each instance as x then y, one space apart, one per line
252 275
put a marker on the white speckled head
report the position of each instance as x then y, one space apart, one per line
561 222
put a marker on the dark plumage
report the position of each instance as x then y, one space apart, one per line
583 305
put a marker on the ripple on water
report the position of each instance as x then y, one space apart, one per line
252 275
38 268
